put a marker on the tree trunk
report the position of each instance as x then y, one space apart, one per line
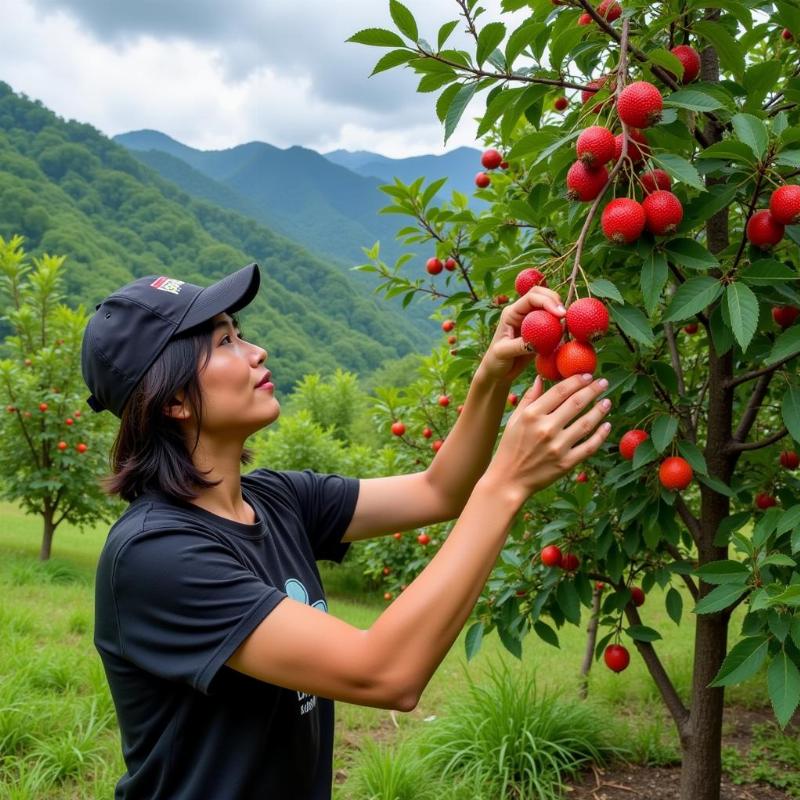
47 537
591 641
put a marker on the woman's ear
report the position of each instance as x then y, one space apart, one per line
177 408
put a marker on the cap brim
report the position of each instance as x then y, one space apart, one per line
232 293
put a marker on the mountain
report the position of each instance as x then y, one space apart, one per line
72 191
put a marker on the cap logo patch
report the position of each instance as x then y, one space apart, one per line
167 284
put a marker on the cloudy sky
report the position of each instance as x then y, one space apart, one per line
214 74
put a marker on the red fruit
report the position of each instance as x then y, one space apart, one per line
450 265
595 146
784 204
397 536
640 104
491 159
600 586
587 319
81 447
398 429
551 556
387 570
592 87
636 140
513 399
482 180
542 329
675 473
434 266
62 445
443 400
787 35
763 230
690 59
387 596
617 657
527 279
691 328
76 414
609 10
575 358
785 315
570 562
11 409
427 433
585 183
448 325
560 103
437 445
42 406
765 501
69 421
789 459
546 366
637 595
663 212
656 179
504 165
630 441
581 477
423 539
585 19
623 220
452 339
500 300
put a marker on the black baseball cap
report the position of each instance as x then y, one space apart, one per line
132 326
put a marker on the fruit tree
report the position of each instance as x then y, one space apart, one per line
53 447
659 202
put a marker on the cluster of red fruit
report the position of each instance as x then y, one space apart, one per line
435 265
491 159
674 472
766 227
609 10
81 447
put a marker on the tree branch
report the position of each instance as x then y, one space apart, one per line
687 579
757 373
689 519
738 447
753 406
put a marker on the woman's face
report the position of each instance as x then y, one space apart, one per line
232 398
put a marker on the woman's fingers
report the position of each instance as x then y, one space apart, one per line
559 394
584 426
530 396
537 297
588 448
578 402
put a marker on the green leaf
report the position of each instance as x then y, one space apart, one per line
680 169
510 642
729 150
689 253
530 143
783 682
488 40
720 598
644 454
760 79
721 572
778 560
743 311
377 37
693 454
564 43
767 272
789 519
743 661
674 603
546 633
445 31
694 295
786 345
392 59
633 322
473 640
752 131
788 158
445 100
663 432
664 58
731 55
521 38
495 106
790 411
765 526
460 102
717 485
653 279
568 601
404 19
603 288
693 100
641 633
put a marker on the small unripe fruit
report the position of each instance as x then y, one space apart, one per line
691 328
504 165
42 407
551 556
690 59
387 570
434 266
387 596
656 179
397 536
398 428
784 204
491 159
546 366
62 446
787 35
789 459
575 358
595 146
424 539
437 445
763 230
570 562
81 447
11 409
675 473
623 220
528 278
785 315
448 325
765 500
500 300
599 586
452 339
581 477
482 180
617 657
450 264
28 362
585 183
542 329
427 433
560 103
637 147
630 441
663 212
76 414
640 104
587 319
637 595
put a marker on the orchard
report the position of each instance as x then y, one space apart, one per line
643 162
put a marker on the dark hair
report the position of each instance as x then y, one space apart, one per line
150 451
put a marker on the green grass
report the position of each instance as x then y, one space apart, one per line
58 736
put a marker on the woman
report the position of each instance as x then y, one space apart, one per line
208 600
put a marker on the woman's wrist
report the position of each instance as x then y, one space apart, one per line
495 486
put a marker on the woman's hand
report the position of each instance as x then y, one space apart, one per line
508 354
541 441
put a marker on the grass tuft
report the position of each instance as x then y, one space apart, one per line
391 773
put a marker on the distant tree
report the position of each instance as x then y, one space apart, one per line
53 448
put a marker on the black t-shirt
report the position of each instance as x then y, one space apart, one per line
178 590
